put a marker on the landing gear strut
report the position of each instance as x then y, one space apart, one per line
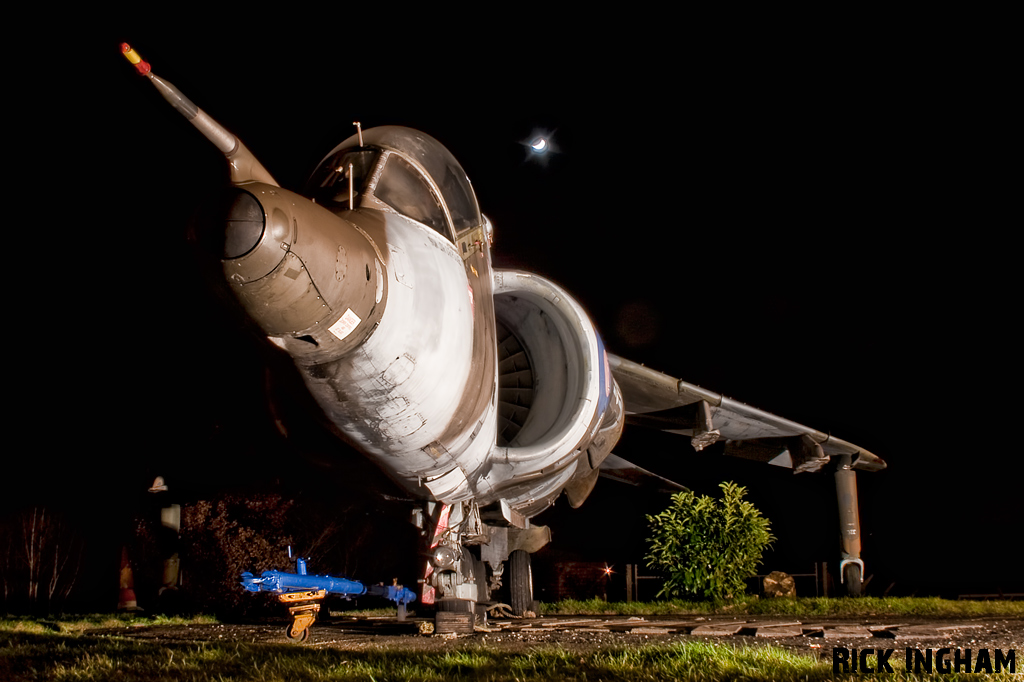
462 546
851 568
455 580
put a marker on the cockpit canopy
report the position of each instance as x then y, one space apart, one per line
404 169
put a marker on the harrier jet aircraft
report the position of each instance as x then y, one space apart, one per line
485 393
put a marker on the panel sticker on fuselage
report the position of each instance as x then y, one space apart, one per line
345 325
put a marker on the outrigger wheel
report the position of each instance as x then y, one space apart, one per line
852 579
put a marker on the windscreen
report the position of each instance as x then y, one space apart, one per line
329 185
403 188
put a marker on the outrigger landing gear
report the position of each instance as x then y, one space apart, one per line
851 567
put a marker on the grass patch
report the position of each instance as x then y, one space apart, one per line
100 621
71 649
26 655
810 607
32 656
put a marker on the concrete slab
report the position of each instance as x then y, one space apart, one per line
958 626
926 631
846 632
566 623
781 631
676 624
683 627
717 629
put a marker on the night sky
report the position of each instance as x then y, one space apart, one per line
816 229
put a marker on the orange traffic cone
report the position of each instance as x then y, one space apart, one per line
126 597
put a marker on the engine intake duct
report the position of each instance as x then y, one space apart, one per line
549 371
515 385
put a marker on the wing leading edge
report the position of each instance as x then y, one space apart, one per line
656 400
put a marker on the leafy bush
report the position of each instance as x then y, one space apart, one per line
707 547
223 538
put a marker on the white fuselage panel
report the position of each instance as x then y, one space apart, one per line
398 391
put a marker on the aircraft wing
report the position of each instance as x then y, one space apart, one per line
656 400
623 471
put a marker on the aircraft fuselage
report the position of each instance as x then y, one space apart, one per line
391 322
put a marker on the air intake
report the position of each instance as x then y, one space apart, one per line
515 386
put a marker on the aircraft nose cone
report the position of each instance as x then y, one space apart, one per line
243 224
247 231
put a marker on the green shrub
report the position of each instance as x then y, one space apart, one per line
706 547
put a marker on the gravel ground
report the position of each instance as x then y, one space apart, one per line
371 634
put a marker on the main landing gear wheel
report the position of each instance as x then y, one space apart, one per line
520 582
298 637
852 580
